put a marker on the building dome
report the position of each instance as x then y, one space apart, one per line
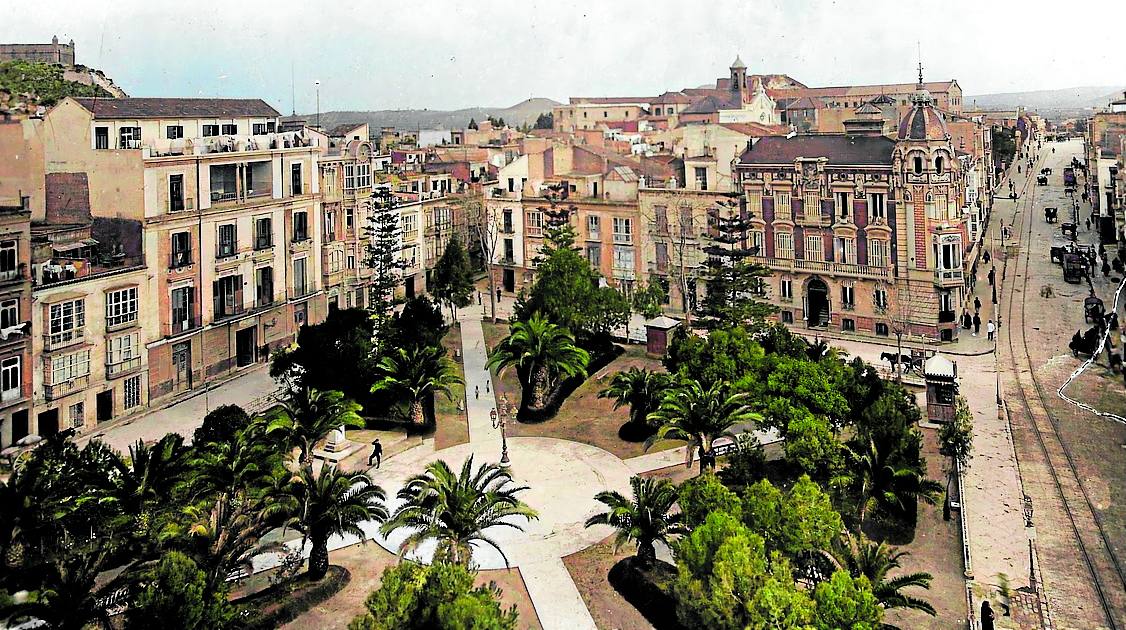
923 123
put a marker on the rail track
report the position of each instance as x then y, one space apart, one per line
1094 547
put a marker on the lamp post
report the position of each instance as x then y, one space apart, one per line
501 423
318 86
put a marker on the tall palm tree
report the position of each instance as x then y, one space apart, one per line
416 373
333 503
645 519
874 560
308 415
879 481
145 483
640 389
456 509
541 352
698 416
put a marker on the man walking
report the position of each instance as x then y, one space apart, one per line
376 453
977 304
477 392
989 329
977 324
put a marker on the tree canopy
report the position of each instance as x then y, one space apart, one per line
439 596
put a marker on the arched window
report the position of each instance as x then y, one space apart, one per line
918 165
939 165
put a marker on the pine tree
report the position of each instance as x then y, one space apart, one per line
473 124
734 283
383 237
452 280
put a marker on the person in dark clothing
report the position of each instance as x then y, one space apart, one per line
1106 269
376 453
977 324
992 270
977 304
987 257
498 294
1087 223
967 321
986 616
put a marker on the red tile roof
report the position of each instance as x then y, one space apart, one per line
757 130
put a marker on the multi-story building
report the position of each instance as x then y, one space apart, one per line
863 233
229 215
55 52
15 314
346 187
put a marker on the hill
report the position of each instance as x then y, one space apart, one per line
1067 98
46 83
524 112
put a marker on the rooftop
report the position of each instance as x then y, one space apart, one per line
133 108
840 150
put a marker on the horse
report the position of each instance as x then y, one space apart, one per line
895 359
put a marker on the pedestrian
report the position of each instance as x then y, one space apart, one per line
1106 269
987 256
977 324
990 329
977 303
992 271
967 321
487 381
498 294
479 299
1087 222
986 616
376 453
477 392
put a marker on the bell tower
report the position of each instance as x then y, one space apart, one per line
738 84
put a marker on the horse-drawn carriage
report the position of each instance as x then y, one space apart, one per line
1051 215
1045 171
1093 309
1042 180
1074 267
1087 343
911 362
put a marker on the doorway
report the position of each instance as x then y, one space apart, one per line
182 366
408 285
104 404
817 303
19 425
510 280
245 347
49 423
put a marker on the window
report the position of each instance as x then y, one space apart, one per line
783 211
950 256
181 250
301 313
263 233
227 296
10 379
509 250
9 314
535 223
848 325
878 253
122 349
594 255
210 131
351 260
701 178
918 164
76 415
845 250
295 179
877 208
300 226
350 219
183 309
848 297
264 286
228 241
330 226
787 317
271 127
129 138
121 307
757 242
258 129
786 289
811 205
230 130
686 223
623 230
67 321
300 280
754 203
174 132
9 260
363 175
939 165
783 245
506 221
814 249
880 299
844 209
623 258
101 138
593 227
882 330
175 193
661 219
132 391
70 366
662 255
410 226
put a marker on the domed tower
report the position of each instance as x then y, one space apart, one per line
925 160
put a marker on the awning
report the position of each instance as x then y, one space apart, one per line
70 247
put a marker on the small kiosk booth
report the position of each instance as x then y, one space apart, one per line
657 332
941 375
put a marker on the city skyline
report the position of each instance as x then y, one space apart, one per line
446 56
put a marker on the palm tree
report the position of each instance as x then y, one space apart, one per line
456 509
698 416
333 503
541 352
645 519
417 373
640 389
308 415
874 561
145 483
879 481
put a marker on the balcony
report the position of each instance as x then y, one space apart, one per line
816 266
55 391
185 325
948 277
232 311
179 260
14 275
66 338
300 291
114 370
507 259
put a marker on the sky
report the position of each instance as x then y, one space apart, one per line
440 54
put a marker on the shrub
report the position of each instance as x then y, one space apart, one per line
284 602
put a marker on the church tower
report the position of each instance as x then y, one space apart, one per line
738 83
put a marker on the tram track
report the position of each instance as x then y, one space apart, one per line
1095 549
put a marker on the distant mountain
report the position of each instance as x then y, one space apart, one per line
1067 98
523 112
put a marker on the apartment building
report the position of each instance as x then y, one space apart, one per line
346 186
229 213
15 315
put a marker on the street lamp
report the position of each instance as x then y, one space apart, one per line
502 424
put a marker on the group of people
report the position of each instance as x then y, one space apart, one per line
974 322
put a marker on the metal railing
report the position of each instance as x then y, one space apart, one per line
53 391
818 266
944 277
180 259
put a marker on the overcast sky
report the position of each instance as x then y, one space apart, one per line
441 54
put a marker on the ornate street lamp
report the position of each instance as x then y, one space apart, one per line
501 423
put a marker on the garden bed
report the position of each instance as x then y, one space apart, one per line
286 601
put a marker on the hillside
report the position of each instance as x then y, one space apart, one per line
521 113
1067 98
45 82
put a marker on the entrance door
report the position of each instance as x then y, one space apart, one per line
817 303
49 423
19 425
104 402
182 366
510 280
409 286
245 347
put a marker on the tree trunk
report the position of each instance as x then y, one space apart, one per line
492 297
539 388
318 558
418 415
646 553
